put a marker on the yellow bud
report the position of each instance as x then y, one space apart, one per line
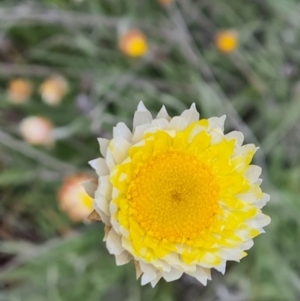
73 199
133 43
226 41
18 91
53 90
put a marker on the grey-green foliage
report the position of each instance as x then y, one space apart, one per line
75 267
257 87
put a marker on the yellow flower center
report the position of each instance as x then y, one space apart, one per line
173 196
137 46
226 41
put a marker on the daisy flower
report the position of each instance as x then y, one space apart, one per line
18 91
177 195
53 90
133 42
226 41
37 130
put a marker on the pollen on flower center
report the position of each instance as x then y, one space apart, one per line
173 196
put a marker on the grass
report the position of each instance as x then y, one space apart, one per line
43 255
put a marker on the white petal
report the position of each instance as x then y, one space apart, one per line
261 230
124 232
247 245
207 271
243 234
146 278
208 259
140 131
160 123
221 267
163 113
119 149
105 187
191 115
216 136
259 221
217 122
252 173
113 243
105 219
263 201
155 281
174 260
126 244
100 166
141 106
112 208
253 195
106 232
149 273
109 159
121 130
240 154
237 136
200 274
230 254
178 123
258 182
138 271
102 203
115 225
103 143
141 116
162 265
244 149
123 258
90 187
174 274
153 129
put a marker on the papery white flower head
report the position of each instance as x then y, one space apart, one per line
53 90
177 195
37 130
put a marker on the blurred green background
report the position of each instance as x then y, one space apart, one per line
43 254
